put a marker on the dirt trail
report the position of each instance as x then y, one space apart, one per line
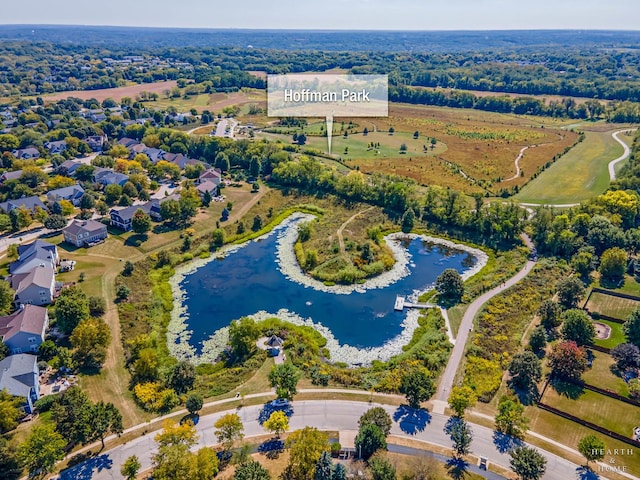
350 219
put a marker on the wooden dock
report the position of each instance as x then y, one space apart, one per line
401 303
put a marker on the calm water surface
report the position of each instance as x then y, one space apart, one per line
249 280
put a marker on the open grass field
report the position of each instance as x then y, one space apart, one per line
616 337
593 407
580 174
213 102
115 93
475 151
600 374
611 306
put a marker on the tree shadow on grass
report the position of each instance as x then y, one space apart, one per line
84 470
136 240
271 448
505 443
457 468
567 389
411 420
585 473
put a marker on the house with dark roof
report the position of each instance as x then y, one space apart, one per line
211 175
56 147
68 168
96 142
36 287
73 194
106 176
30 203
19 376
154 154
25 329
207 186
85 233
26 153
154 211
128 142
122 218
35 254
6 176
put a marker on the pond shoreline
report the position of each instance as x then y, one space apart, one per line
178 334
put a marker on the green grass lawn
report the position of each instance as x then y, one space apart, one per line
358 145
630 286
580 174
616 337
455 317
592 407
611 306
600 375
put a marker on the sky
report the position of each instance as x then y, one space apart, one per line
332 14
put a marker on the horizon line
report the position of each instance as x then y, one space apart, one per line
354 30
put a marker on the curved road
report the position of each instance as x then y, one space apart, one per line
611 167
627 152
448 377
325 415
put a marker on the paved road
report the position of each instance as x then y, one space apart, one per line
627 152
448 377
326 415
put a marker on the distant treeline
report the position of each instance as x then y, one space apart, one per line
579 70
619 112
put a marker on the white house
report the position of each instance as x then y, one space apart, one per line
36 287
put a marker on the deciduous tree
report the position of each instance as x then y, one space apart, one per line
510 418
450 285
229 430
369 440
417 387
591 448
42 449
305 448
72 306
461 398
377 416
567 361
284 378
578 327
278 422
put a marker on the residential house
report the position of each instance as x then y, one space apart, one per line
30 203
154 154
106 176
128 142
83 233
97 115
36 287
69 167
6 176
122 218
154 209
207 186
26 153
211 175
73 194
19 376
24 330
35 254
96 142
56 147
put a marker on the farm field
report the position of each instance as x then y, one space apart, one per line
115 93
213 102
580 174
474 152
611 306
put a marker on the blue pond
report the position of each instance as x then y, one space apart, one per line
249 280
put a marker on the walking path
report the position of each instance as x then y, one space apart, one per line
448 377
626 153
349 220
517 162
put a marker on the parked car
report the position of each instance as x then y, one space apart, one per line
280 403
